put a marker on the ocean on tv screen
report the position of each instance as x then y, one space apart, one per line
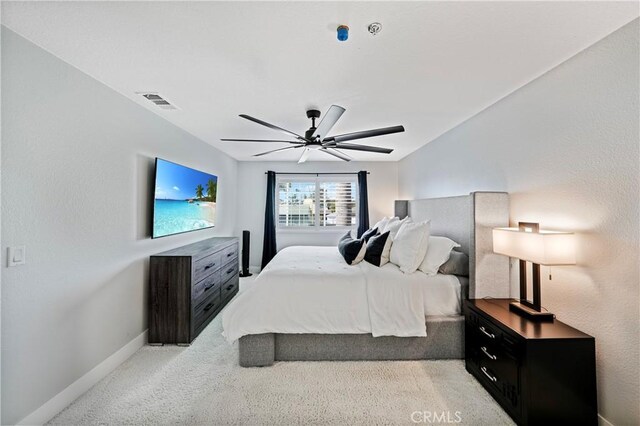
175 216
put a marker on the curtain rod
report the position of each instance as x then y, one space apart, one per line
316 174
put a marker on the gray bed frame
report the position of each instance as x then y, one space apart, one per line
466 219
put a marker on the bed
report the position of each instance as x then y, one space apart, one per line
308 304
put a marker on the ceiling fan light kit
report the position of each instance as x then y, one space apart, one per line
317 138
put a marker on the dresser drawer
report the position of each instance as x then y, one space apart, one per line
229 270
230 287
206 266
229 253
206 287
206 309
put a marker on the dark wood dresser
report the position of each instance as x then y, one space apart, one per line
189 285
540 373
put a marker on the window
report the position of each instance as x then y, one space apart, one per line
317 203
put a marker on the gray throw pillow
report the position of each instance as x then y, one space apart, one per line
458 264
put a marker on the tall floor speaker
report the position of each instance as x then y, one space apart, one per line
245 254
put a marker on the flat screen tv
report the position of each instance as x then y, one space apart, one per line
184 199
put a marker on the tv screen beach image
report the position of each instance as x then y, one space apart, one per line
184 200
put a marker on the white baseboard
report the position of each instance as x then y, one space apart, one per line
59 402
603 422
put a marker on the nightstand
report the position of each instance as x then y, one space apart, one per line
539 372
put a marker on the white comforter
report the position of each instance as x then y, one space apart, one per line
312 290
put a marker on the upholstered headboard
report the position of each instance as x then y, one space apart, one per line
468 220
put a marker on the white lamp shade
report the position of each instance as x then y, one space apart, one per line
543 247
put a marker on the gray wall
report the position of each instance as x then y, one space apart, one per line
382 184
77 168
566 148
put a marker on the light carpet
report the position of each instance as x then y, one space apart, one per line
203 385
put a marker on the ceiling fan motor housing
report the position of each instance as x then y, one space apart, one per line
312 114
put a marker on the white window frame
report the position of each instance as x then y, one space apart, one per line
317 180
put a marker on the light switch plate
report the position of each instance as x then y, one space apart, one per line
16 256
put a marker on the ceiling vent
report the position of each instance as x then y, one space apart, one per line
158 100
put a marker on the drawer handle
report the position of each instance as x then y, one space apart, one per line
211 265
208 307
211 286
484 349
492 378
230 270
229 254
229 287
493 336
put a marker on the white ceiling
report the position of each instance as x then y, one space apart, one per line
434 64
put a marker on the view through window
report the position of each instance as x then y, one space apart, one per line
317 202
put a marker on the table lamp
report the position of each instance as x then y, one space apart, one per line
530 244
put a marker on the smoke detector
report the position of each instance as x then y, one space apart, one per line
374 28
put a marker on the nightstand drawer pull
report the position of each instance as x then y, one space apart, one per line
492 378
484 349
493 336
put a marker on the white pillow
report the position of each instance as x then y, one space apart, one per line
395 224
437 254
410 245
389 222
381 224
386 251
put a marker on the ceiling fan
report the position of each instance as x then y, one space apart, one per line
316 138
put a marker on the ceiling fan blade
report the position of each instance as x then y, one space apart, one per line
336 153
276 150
367 148
329 120
304 156
271 126
260 140
364 134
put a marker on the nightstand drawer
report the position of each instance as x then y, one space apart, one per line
500 361
489 334
503 378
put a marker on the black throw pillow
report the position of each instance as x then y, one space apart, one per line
350 248
368 234
375 247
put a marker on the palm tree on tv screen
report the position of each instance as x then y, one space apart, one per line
199 191
212 187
